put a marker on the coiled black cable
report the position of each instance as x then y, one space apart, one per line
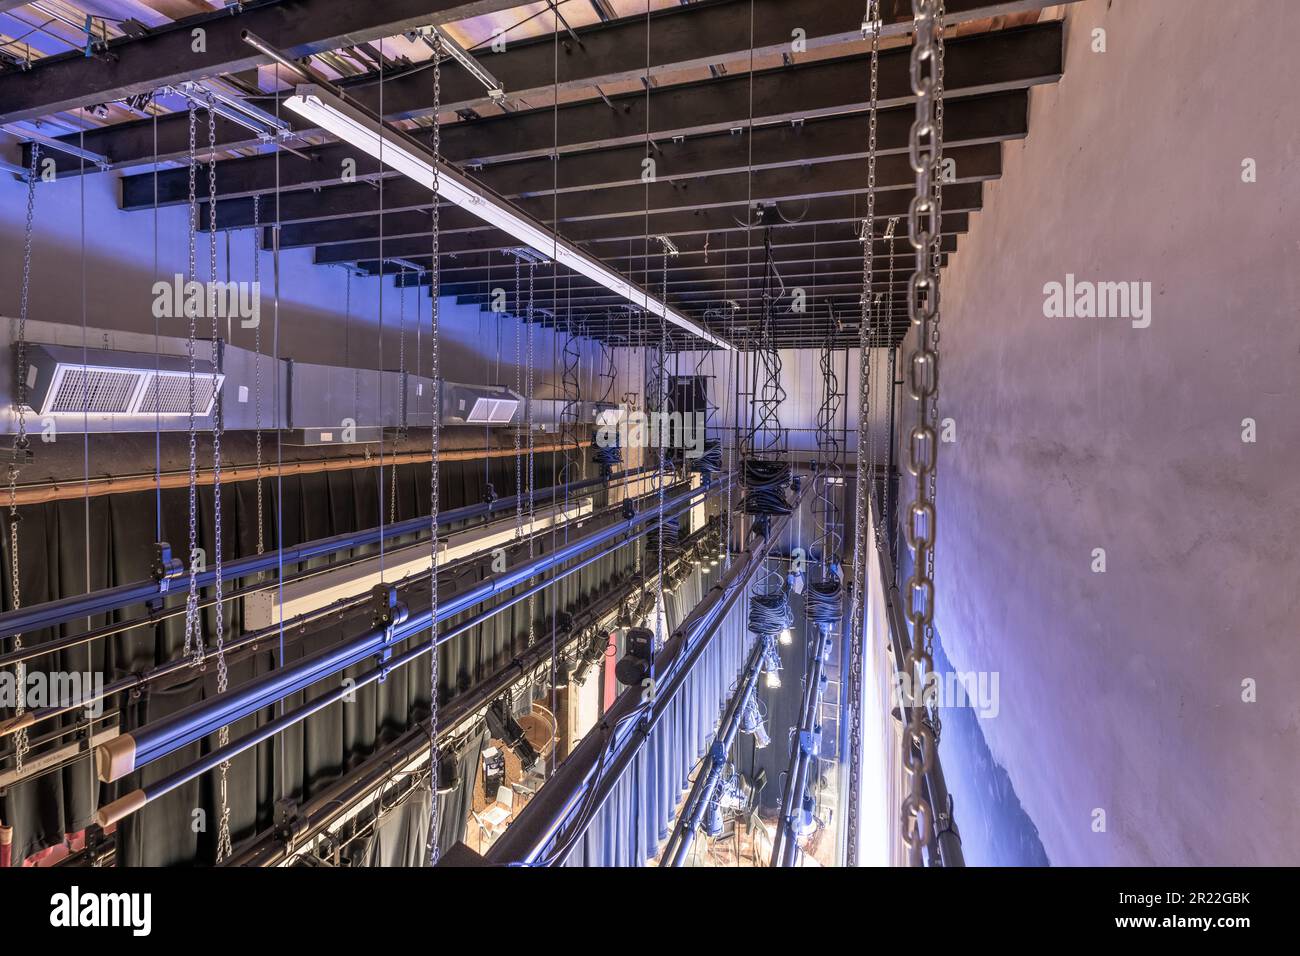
822 601
671 533
766 481
710 460
769 612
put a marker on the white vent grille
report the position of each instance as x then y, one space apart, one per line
93 390
492 411
105 390
168 393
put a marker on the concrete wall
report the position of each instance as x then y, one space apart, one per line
94 264
1122 691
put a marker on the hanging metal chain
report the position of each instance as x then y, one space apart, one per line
936 725
532 600
224 848
401 378
21 443
257 374
193 633
857 629
519 390
886 508
435 288
923 375
661 405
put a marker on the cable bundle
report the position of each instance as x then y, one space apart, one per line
766 481
822 603
671 533
710 460
606 456
769 613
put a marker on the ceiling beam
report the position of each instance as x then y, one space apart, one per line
167 55
971 164
957 198
968 121
708 35
488 268
823 221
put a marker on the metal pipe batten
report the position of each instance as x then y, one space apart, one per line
130 751
785 846
50 613
316 815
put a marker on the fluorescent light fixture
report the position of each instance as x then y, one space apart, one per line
324 108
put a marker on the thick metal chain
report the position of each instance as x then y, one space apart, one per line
435 288
257 374
922 374
886 511
21 444
193 633
935 723
857 629
224 848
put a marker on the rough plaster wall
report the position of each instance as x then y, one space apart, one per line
1123 690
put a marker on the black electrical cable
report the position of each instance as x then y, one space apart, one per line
823 600
769 612
765 480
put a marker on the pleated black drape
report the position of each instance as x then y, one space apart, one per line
60 560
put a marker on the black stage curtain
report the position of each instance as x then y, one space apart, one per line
58 560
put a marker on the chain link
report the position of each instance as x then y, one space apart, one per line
435 288
936 725
21 744
923 372
857 630
532 605
257 374
224 848
193 634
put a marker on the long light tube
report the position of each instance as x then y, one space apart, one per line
325 109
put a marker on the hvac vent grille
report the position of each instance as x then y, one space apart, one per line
492 411
168 393
94 390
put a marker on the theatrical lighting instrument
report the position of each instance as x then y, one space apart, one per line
634 665
727 795
751 722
